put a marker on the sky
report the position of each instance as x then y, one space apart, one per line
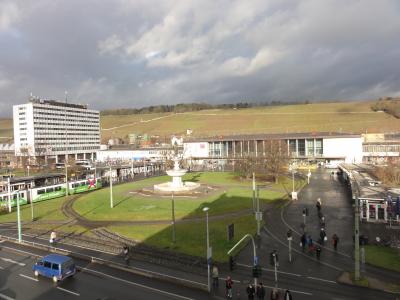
130 54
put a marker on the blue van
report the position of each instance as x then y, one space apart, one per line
55 266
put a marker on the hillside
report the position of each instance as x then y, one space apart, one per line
6 130
352 117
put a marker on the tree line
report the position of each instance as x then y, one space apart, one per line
188 107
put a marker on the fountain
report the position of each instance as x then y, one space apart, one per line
176 185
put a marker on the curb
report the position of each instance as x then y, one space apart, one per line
136 271
361 286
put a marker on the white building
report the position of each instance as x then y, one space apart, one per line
332 148
50 129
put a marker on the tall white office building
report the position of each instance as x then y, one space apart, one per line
49 130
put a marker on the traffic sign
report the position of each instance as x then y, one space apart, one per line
258 216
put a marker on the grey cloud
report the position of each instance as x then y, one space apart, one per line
134 53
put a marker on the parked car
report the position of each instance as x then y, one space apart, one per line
55 266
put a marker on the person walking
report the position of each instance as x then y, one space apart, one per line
288 295
303 241
318 205
215 275
322 235
274 294
310 244
335 241
250 292
53 237
318 252
229 286
126 254
260 292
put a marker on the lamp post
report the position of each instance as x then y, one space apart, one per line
9 194
28 169
19 219
209 254
111 191
294 193
173 218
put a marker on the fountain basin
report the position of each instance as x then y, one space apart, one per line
170 187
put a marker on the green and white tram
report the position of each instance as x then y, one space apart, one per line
23 198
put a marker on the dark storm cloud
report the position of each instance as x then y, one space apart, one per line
134 53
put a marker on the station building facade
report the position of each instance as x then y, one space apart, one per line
329 148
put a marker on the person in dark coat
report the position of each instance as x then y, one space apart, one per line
288 295
274 294
318 252
229 286
260 292
322 235
250 292
335 241
303 241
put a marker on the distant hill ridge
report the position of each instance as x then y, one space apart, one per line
187 107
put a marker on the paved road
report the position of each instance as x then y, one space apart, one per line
306 275
91 282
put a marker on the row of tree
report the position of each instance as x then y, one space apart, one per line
188 107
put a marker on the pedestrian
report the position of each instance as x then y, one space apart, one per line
126 254
335 241
318 252
53 237
260 292
250 292
215 275
288 295
322 235
274 294
229 286
318 205
322 222
303 241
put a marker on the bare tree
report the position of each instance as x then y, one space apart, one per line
276 158
246 165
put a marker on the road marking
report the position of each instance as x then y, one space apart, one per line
1 268
135 268
28 277
137 284
5 297
68 291
12 261
311 258
292 291
269 270
320 279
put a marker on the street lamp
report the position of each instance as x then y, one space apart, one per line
173 218
209 254
294 193
19 218
111 191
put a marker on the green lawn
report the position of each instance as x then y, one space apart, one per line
44 210
131 206
191 237
383 257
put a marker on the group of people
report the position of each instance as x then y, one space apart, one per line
306 241
260 293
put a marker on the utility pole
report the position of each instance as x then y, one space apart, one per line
254 191
9 193
209 251
19 219
31 199
66 149
111 191
258 214
173 219
357 239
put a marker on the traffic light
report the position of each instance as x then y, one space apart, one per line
232 263
273 256
257 271
289 233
